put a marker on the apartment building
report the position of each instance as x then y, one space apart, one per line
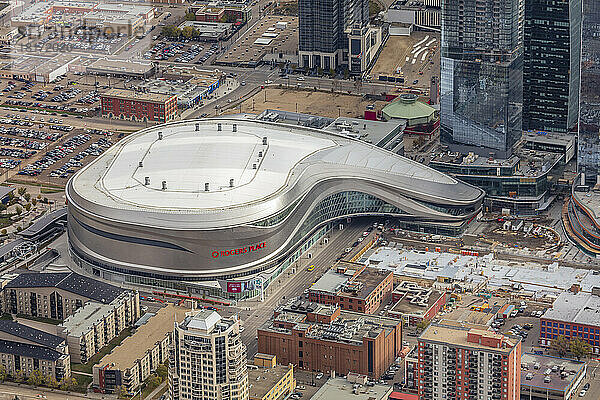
27 349
132 362
57 295
208 359
138 106
457 362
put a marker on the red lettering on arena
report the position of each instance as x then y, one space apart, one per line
241 250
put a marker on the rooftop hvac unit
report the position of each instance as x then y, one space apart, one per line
140 164
231 182
164 185
264 140
235 127
253 166
219 127
160 135
197 127
206 187
147 180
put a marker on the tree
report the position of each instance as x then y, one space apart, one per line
28 206
67 383
422 325
122 392
190 16
20 376
36 378
51 382
3 207
19 210
34 202
21 191
3 232
27 196
161 371
187 32
580 348
153 382
2 373
560 344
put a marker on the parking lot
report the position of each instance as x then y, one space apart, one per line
88 40
182 52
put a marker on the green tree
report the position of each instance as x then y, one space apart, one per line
331 72
122 392
19 210
28 206
11 196
20 376
190 16
51 382
153 382
161 371
3 207
560 345
22 191
36 378
34 202
2 373
187 32
422 325
3 232
27 196
580 348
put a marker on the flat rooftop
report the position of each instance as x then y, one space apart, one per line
348 280
84 318
349 327
133 95
534 369
416 300
580 308
262 380
135 346
120 66
457 336
342 389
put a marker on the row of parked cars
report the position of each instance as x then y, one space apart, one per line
52 107
51 157
22 143
8 163
29 133
95 149
16 153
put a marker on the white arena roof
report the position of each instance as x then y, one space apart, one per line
186 160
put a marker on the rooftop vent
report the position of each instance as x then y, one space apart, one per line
160 136
206 187
231 182
253 166
260 154
264 140
164 185
147 180
197 127
140 164
235 127
219 127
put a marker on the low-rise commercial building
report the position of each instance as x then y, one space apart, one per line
268 380
468 363
137 106
414 303
573 315
57 295
132 362
94 325
208 359
354 387
221 11
550 378
121 68
318 337
353 287
27 349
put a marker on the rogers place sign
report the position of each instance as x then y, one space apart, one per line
237 252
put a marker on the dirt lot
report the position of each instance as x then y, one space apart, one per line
398 54
306 101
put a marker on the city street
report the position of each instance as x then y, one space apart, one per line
294 284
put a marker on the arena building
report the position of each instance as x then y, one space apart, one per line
223 206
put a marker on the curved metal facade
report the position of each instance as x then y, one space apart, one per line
242 240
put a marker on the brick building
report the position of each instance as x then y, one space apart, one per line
414 303
468 363
353 287
128 104
573 315
318 337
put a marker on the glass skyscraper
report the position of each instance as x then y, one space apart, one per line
589 107
552 54
323 42
482 75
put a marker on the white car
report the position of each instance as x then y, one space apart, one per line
582 393
319 375
300 78
268 82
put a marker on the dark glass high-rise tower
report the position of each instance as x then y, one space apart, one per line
322 25
482 75
552 54
588 156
